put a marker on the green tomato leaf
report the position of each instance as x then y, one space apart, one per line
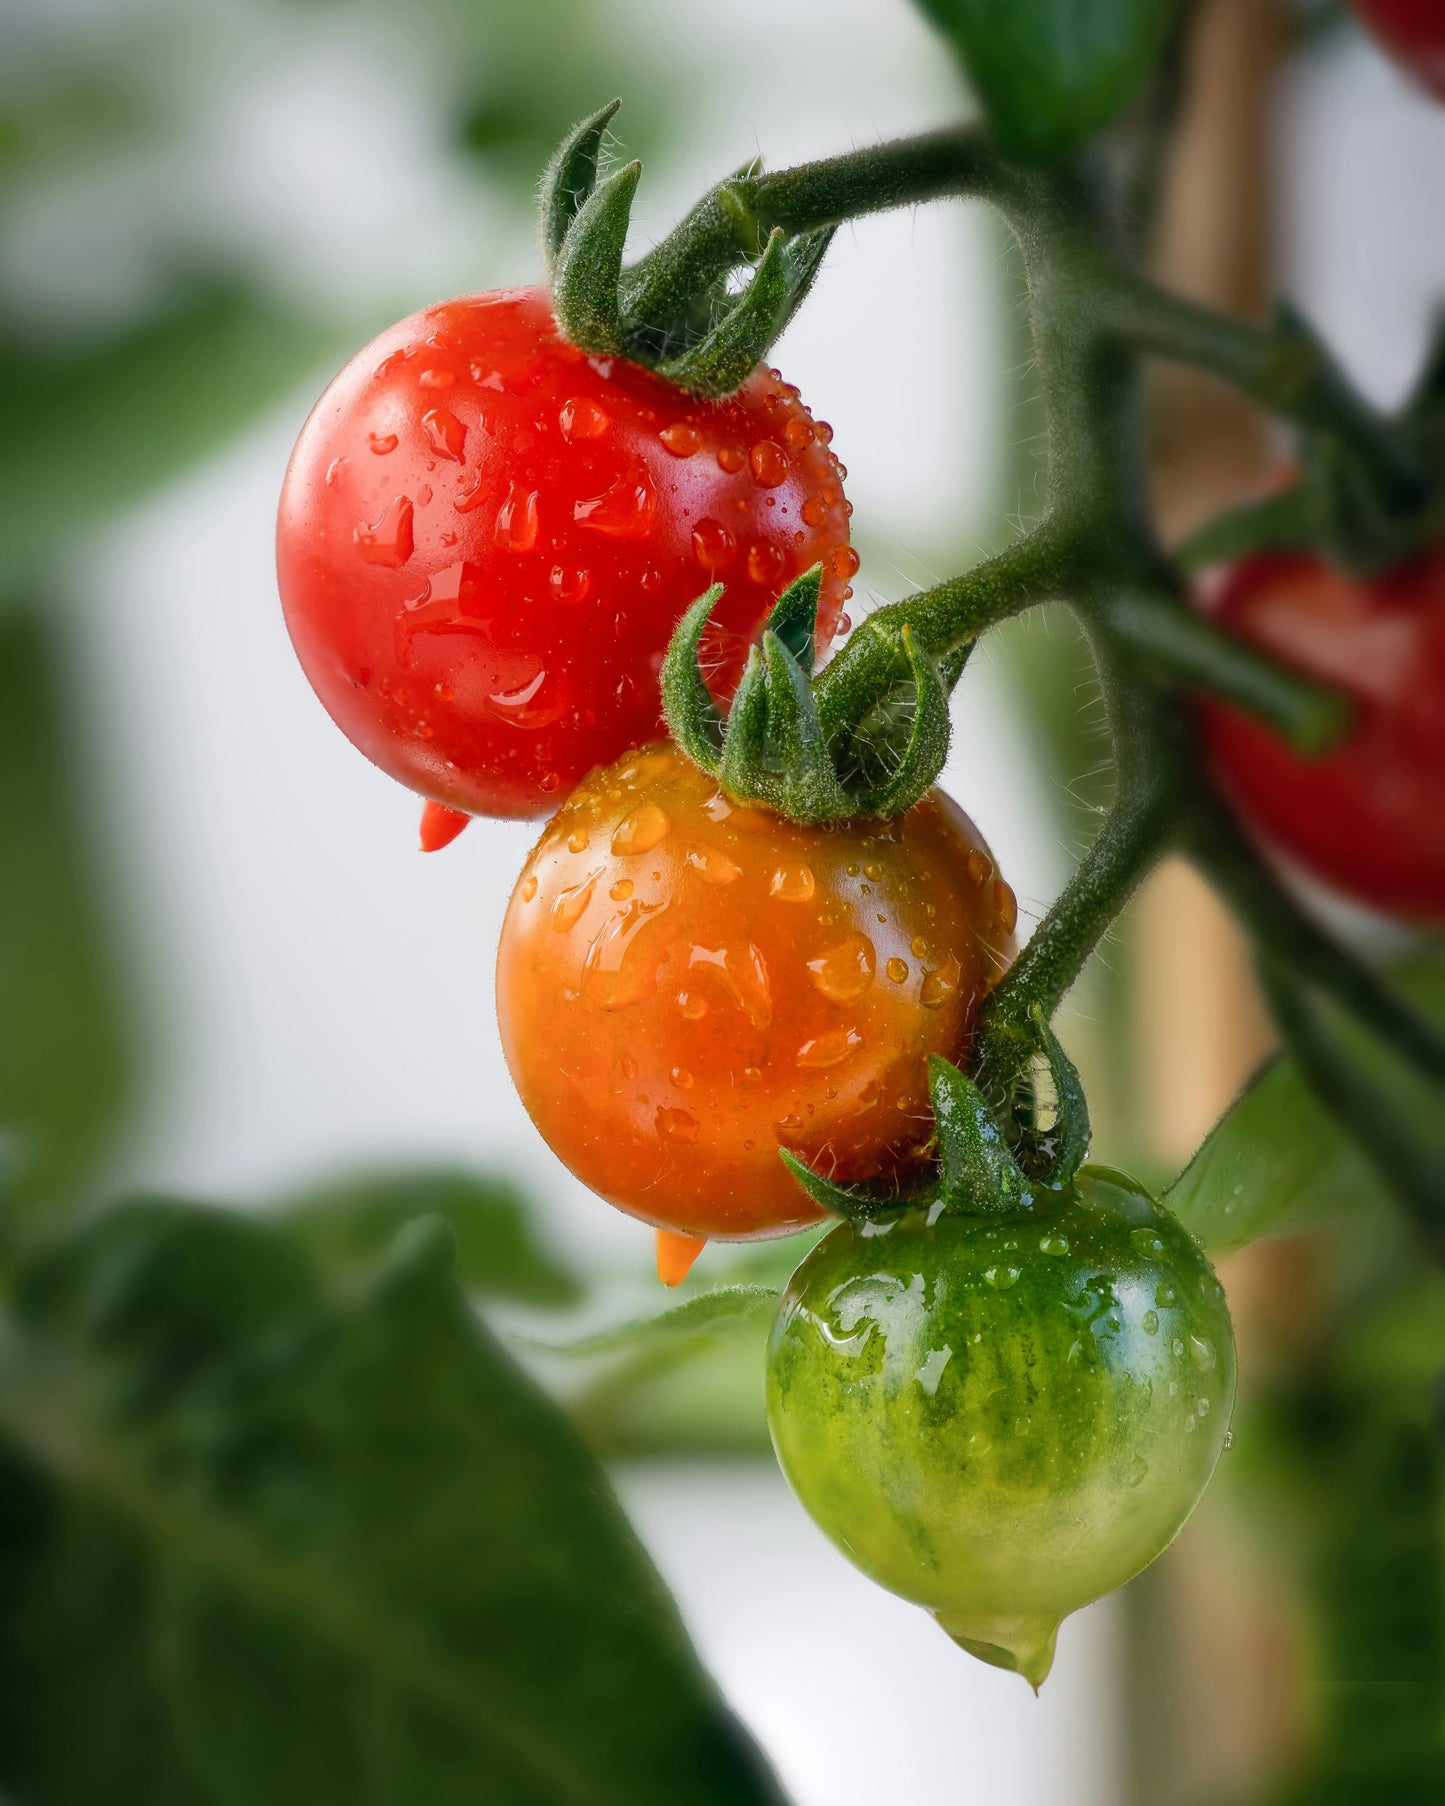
63 1058
709 1314
345 1550
1277 1158
347 1222
1052 73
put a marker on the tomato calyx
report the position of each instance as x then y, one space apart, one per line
983 1168
672 313
772 748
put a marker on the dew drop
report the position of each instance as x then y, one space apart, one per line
388 541
334 470
845 971
692 1004
845 562
731 458
437 379
897 970
1201 1405
829 1049
570 905
1001 1278
1147 1242
640 831
1150 1322
1176 1348
979 867
581 419
1054 1244
743 973
1191 1424
682 1078
822 432
676 1125
800 432
814 511
792 884
873 871
532 704
516 528
1203 1352
624 511
938 986
766 564
444 434
769 463
681 439
381 443
714 867
569 582
528 887
1228 1440
578 841
1007 905
621 891
465 500
388 364
712 545
1165 1295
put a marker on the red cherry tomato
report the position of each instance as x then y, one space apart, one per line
1413 32
1370 816
685 985
487 536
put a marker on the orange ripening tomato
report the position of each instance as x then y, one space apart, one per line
686 985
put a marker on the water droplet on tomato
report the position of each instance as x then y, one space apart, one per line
712 545
766 564
640 831
1150 1323
682 1078
621 891
814 511
516 528
444 433
1165 1295
1147 1242
676 1125
528 887
569 905
938 986
792 884
1203 1352
1001 1277
743 973
897 970
388 541
731 458
919 947
829 1049
437 379
1007 906
714 867
569 582
800 432
623 511
822 432
382 443
845 971
845 562
681 439
979 867
769 463
533 704
1054 1244
622 964
845 621
581 419
692 1005
578 841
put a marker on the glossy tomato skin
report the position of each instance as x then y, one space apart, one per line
486 537
684 986
1003 1417
1413 32
1368 817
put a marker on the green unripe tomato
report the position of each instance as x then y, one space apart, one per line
1004 1417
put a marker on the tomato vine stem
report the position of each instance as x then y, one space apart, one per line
1095 317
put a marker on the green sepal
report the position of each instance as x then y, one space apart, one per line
805 255
741 771
687 704
585 294
1063 1150
795 615
855 1202
570 178
928 738
1351 522
728 354
799 777
977 1174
